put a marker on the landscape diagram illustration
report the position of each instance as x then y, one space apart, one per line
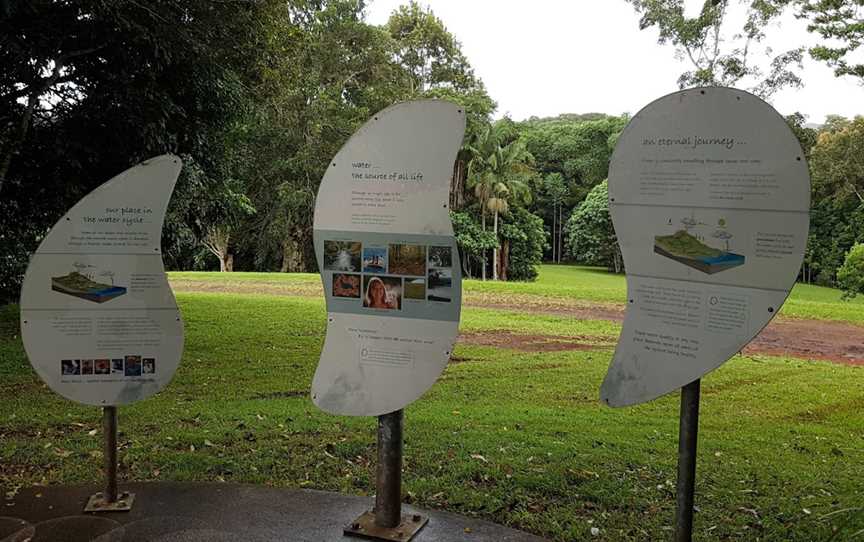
689 246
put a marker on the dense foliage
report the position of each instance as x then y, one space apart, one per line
726 55
850 276
89 88
591 238
524 242
257 96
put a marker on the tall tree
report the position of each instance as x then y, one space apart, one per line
841 23
591 237
327 73
555 191
430 54
436 67
89 88
837 160
717 56
498 175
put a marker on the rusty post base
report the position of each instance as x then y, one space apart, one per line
98 503
365 527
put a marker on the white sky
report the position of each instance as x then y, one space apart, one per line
547 57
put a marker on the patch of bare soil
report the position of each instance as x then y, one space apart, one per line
826 340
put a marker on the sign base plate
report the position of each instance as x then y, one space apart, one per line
97 503
365 527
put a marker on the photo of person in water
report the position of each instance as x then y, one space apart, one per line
382 292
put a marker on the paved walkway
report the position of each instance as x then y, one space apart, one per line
210 512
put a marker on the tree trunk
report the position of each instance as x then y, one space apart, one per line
226 263
483 221
495 250
457 185
560 231
554 241
218 241
292 257
503 259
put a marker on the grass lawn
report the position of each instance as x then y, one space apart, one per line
513 437
572 282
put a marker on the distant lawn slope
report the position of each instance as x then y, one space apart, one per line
570 282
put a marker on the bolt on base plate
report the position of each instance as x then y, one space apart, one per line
97 503
365 527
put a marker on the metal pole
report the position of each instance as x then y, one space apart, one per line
109 451
388 497
110 500
688 430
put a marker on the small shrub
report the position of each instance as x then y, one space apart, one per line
850 276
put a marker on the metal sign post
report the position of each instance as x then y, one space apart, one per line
709 193
386 521
392 281
110 500
688 431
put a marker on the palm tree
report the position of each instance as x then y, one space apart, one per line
495 173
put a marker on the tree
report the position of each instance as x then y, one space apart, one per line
524 243
90 88
591 237
496 173
555 191
429 53
841 22
473 241
579 150
837 160
326 72
850 276
718 58
435 67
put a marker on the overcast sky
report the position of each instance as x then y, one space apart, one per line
547 57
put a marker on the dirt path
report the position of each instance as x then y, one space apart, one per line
827 340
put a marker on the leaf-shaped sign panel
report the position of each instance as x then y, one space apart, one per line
98 318
709 194
388 260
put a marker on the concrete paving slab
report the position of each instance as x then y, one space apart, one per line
210 512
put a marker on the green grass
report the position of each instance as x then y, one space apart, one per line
513 437
573 283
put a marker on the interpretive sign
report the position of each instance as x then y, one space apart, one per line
709 194
388 260
98 318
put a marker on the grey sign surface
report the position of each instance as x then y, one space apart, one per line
709 194
98 319
388 259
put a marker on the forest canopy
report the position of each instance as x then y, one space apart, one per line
256 97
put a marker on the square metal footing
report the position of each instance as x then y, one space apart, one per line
364 527
97 503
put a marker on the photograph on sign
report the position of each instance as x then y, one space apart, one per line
99 321
709 195
388 260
